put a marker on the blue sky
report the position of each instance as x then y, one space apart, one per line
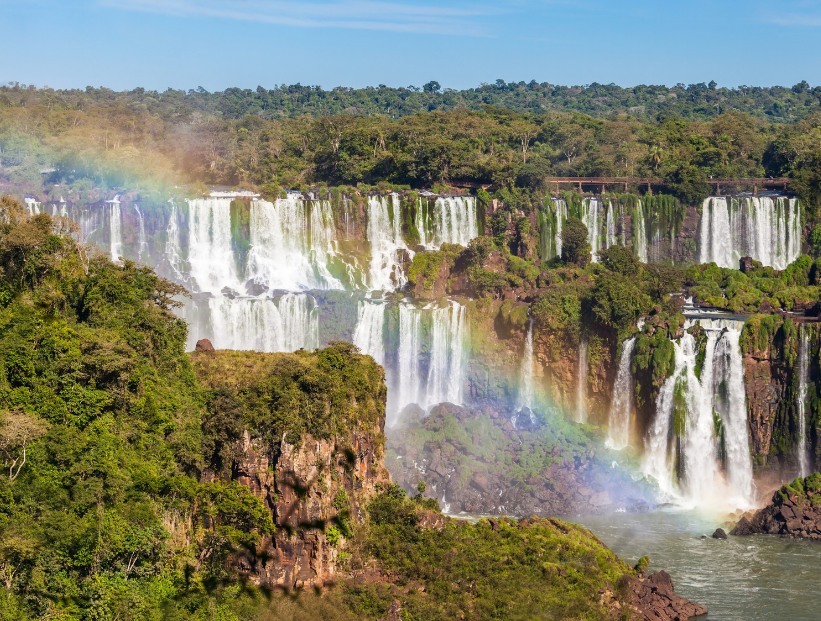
220 43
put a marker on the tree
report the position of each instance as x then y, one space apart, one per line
17 431
432 87
575 247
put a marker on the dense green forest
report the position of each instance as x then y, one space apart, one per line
102 139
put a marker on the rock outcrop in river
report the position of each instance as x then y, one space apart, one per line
794 511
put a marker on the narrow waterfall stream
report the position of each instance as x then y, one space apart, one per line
621 408
369 335
525 400
640 233
115 229
801 401
385 237
581 382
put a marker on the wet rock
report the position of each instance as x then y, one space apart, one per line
794 511
655 598
254 288
719 534
204 345
746 265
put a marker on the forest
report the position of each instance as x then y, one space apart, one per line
262 140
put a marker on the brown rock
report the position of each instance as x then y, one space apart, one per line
204 345
656 600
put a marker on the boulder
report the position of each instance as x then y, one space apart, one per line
719 534
204 345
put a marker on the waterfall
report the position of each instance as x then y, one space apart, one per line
766 229
289 248
640 233
452 220
561 216
801 402
698 445
263 324
173 248
143 244
526 376
115 228
368 335
621 408
610 239
581 382
33 205
446 371
408 371
385 237
210 252
590 217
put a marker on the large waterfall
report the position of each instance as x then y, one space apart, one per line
764 228
590 217
621 408
697 447
298 272
452 220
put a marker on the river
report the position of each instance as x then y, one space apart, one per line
742 578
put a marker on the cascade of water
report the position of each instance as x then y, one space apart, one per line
610 239
561 216
446 371
590 217
369 335
173 248
621 408
640 233
730 401
143 244
285 252
454 220
385 237
263 324
526 374
410 320
765 229
115 229
706 413
33 205
210 252
581 382
801 403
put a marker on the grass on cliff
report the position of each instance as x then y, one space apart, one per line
493 569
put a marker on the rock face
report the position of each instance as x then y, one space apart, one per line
795 511
656 600
475 460
306 487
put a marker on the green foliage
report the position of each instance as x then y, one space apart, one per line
620 260
575 247
545 569
618 301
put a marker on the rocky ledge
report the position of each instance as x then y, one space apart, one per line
795 511
656 600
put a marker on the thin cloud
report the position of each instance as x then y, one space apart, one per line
345 14
794 19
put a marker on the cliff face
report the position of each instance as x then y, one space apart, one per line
304 433
308 488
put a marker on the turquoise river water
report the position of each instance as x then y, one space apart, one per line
761 577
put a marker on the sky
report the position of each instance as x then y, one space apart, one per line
216 44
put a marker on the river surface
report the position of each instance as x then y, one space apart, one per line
761 577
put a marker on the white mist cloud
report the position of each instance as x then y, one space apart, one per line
462 19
